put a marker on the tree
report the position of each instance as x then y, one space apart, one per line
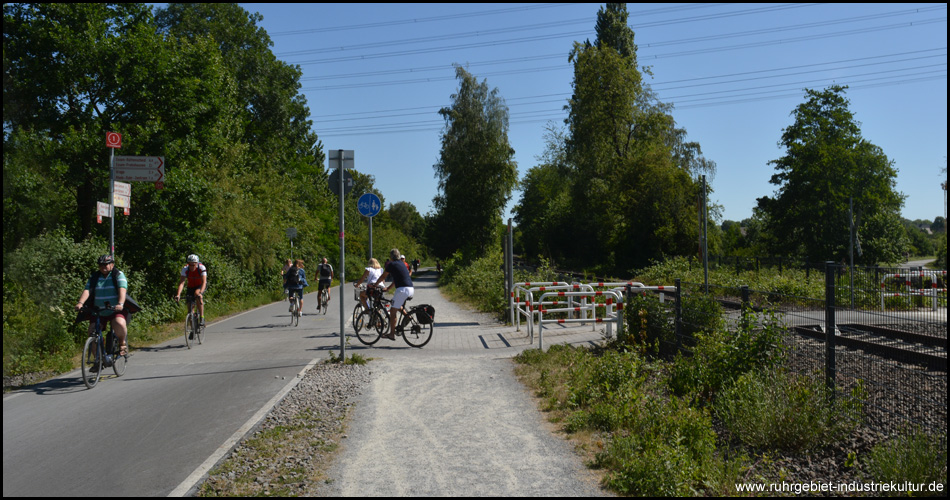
407 218
632 188
827 163
476 169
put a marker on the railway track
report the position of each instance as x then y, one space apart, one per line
889 343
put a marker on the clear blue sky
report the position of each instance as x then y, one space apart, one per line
375 76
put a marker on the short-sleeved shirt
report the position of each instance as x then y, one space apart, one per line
373 274
194 277
399 273
106 290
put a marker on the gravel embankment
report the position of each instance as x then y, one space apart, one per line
292 447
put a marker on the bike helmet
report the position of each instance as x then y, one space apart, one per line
106 259
192 258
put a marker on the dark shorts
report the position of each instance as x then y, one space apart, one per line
295 291
106 319
324 283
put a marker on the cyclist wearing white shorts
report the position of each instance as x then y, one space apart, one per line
403 284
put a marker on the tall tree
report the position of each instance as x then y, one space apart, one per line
827 163
476 169
633 194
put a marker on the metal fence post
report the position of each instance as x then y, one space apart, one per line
746 304
678 314
830 326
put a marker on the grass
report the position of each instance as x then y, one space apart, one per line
912 457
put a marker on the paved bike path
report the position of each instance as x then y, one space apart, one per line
451 419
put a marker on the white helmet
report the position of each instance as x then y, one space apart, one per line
192 258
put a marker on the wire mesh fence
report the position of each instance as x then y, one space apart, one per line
878 334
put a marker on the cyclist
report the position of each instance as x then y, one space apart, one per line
370 275
325 273
404 288
295 280
402 259
104 290
196 275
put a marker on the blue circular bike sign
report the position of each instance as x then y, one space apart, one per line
369 205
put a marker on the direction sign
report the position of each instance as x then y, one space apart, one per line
122 188
103 209
291 232
140 168
122 201
335 182
334 156
369 205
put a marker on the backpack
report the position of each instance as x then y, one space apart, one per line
293 276
325 271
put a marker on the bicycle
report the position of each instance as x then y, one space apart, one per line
95 355
194 330
294 308
323 299
371 322
419 320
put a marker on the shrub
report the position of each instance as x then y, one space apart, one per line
720 356
774 409
666 449
914 457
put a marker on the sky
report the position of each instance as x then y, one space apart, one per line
375 76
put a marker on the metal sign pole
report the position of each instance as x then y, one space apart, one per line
112 203
342 264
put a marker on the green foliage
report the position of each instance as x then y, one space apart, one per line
476 170
720 356
198 85
914 457
654 444
766 409
480 281
41 285
826 164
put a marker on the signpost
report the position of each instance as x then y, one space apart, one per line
291 233
341 159
113 142
369 205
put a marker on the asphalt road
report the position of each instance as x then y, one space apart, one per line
453 406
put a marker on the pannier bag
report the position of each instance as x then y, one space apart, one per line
425 314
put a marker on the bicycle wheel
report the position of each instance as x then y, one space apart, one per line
324 300
357 313
417 334
381 321
189 330
91 363
118 362
365 333
295 313
199 329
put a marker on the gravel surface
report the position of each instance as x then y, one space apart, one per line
312 416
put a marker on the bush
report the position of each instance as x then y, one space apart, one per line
774 409
721 356
41 284
914 457
666 449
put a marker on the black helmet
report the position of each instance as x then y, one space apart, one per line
106 259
